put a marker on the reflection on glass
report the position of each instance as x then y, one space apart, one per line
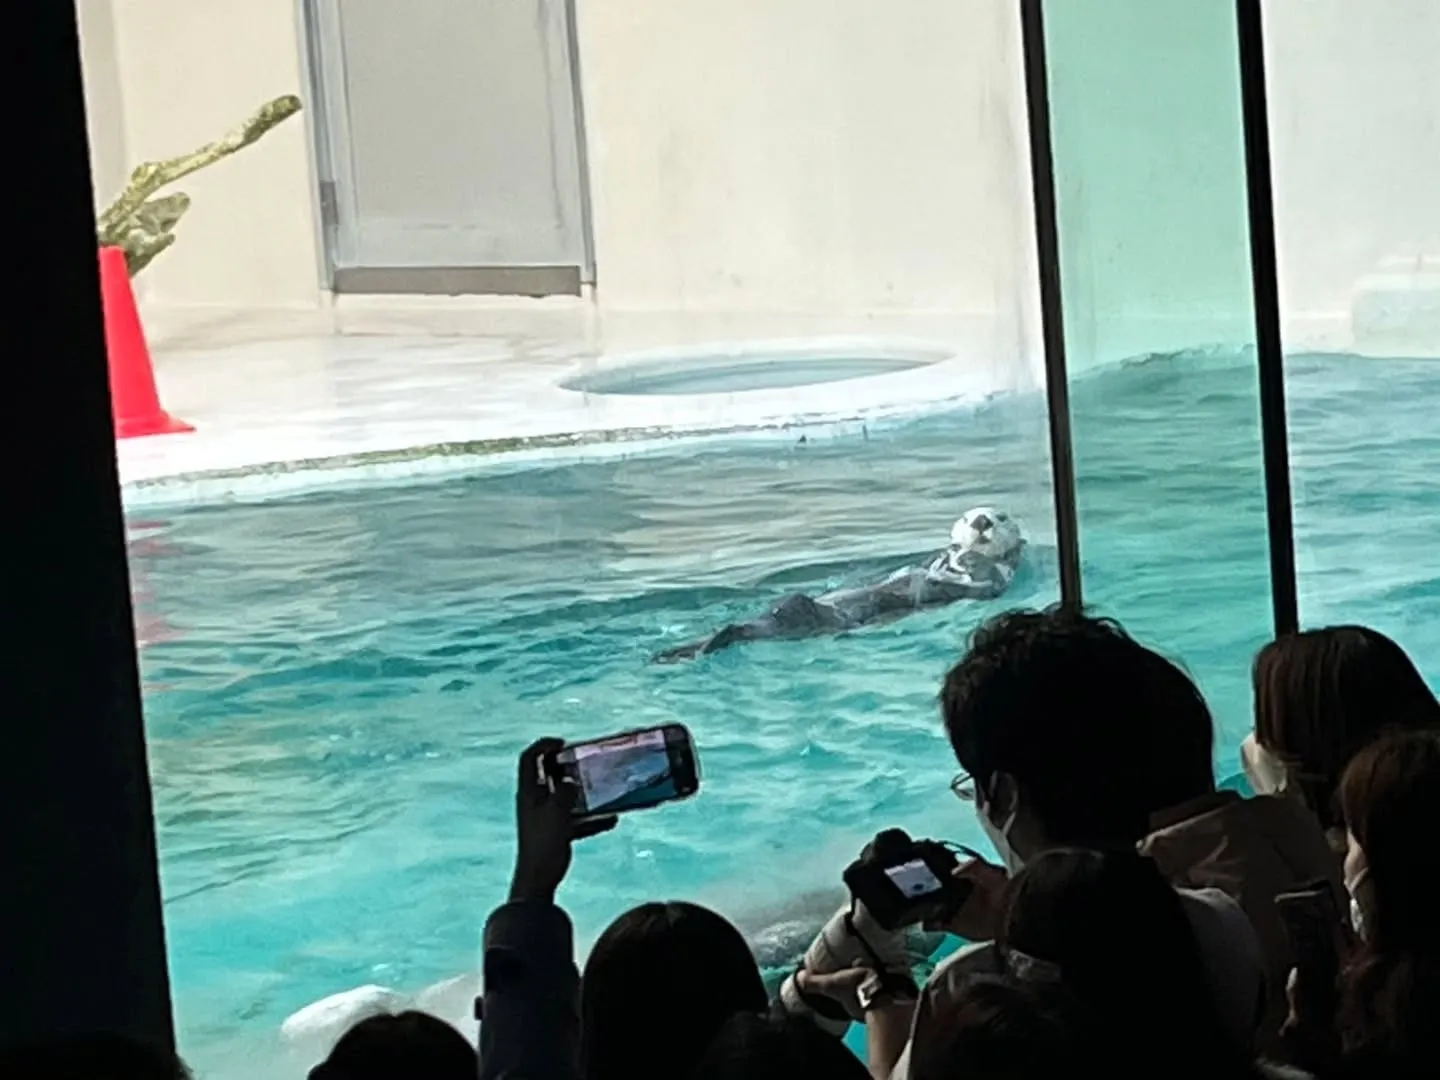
1150 186
1359 233
809 330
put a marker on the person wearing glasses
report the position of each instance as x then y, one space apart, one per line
1072 734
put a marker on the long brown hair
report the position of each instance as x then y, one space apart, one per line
1390 795
1322 695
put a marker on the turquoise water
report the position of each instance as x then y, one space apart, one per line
728 376
337 685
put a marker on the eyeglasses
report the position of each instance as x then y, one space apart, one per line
963 787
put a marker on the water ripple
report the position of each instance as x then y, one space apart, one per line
338 684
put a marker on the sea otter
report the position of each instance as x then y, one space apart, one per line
979 564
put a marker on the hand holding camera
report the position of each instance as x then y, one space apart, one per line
896 883
902 882
979 916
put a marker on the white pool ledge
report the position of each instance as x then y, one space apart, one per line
277 418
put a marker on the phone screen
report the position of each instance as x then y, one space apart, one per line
627 772
914 878
1312 924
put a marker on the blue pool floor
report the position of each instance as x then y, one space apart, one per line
337 685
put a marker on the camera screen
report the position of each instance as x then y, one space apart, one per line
627 773
914 878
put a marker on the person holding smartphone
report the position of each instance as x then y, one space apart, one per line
662 979
530 1009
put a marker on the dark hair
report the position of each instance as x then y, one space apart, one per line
750 1046
1119 940
91 1057
1390 795
1099 731
999 1028
658 985
1323 695
406 1046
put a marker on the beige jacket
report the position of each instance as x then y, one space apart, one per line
1228 947
1252 850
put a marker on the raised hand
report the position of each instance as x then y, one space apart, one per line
545 827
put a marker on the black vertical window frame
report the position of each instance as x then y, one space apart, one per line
81 934
1269 347
1052 315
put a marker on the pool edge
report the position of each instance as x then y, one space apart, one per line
288 478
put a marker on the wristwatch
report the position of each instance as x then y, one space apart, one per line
882 988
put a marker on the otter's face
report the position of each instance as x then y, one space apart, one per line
987 531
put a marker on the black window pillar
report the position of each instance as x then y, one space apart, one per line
1052 314
81 942
1269 349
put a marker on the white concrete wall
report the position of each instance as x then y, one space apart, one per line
812 155
1355 132
187 72
104 100
837 158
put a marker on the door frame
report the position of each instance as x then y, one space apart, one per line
324 60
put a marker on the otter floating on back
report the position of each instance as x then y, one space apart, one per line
979 564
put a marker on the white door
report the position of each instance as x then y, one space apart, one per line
451 152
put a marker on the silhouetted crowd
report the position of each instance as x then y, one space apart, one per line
1139 920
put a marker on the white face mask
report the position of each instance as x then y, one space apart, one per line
1357 919
1000 838
1357 910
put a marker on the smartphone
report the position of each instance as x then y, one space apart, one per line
1316 935
634 770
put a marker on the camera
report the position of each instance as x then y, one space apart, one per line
903 882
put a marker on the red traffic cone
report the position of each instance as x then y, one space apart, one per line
134 400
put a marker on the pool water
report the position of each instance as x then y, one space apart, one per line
337 685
